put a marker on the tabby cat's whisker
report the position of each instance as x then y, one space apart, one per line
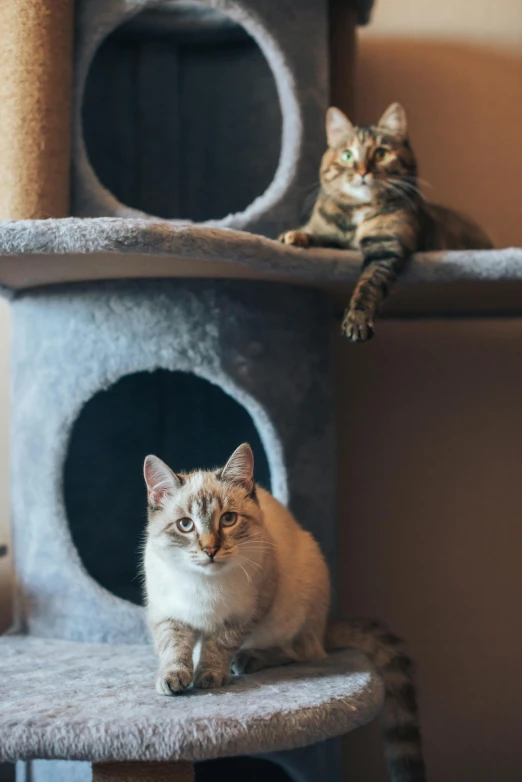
408 186
390 187
418 179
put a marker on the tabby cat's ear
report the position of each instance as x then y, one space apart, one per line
240 467
394 121
338 126
160 480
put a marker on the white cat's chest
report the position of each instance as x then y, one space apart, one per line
200 601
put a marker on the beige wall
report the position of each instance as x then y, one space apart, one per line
431 527
456 65
430 412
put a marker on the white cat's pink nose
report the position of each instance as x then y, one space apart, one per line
211 551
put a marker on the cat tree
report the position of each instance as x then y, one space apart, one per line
76 684
101 297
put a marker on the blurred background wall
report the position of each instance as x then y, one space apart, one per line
457 68
430 413
431 491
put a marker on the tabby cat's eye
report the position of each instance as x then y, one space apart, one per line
185 525
228 519
381 153
347 156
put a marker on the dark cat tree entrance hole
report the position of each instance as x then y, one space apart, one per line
240 770
187 421
181 116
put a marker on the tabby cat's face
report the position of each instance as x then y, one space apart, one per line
205 521
362 164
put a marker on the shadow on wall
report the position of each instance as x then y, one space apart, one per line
465 109
430 498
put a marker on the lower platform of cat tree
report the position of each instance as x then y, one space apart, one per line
97 703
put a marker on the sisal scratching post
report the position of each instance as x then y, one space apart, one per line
143 772
36 50
342 38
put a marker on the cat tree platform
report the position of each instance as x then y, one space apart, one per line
97 702
36 253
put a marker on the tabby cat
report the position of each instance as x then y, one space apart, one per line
369 200
228 567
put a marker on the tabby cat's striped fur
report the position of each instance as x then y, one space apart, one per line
228 567
369 200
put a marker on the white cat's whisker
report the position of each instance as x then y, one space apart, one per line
256 549
253 542
255 564
246 574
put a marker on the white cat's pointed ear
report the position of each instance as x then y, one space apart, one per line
394 121
160 480
240 467
338 126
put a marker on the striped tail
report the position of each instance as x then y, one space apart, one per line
400 718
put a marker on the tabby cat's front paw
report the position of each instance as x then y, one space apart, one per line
295 238
356 326
172 681
210 678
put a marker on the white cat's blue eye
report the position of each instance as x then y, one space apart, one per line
185 525
347 156
228 519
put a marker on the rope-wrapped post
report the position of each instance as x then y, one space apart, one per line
36 63
143 772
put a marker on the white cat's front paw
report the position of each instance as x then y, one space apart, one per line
210 678
171 681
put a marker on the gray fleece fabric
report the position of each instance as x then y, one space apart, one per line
292 35
162 245
97 702
264 344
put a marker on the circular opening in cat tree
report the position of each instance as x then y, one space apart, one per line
239 769
187 421
181 115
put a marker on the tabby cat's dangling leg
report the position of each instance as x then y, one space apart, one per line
384 259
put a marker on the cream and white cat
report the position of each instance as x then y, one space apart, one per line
230 571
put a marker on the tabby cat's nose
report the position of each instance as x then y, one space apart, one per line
211 551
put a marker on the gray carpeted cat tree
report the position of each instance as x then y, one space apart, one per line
241 132
126 324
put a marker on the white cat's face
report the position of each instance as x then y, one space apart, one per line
204 521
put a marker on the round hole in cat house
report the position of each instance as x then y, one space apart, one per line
187 421
181 116
238 769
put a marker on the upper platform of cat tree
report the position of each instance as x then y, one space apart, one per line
37 253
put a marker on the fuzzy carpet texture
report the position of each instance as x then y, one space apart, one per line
97 702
